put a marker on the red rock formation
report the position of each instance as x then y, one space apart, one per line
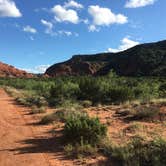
10 71
142 60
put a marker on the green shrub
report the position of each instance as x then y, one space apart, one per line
80 150
69 104
146 112
62 114
36 100
62 91
47 119
65 114
146 91
139 153
162 90
21 100
69 149
86 129
103 89
86 103
38 110
121 94
31 101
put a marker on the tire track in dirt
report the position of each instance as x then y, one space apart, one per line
22 141
13 130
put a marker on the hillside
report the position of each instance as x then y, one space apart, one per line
10 71
141 60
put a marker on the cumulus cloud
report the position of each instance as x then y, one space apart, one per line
49 30
41 68
65 15
105 17
8 8
37 69
93 28
73 4
49 27
29 29
125 44
138 3
48 24
63 32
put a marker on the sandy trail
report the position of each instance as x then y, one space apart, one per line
22 142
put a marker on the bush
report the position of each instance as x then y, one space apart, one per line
146 112
139 153
104 89
162 90
62 91
86 129
86 103
21 100
65 114
31 101
80 151
69 104
47 119
146 91
121 94
62 115
38 110
36 100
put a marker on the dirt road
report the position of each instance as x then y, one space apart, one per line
22 142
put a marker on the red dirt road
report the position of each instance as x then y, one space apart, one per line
22 141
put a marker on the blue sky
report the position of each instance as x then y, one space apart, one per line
35 34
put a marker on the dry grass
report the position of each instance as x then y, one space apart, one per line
121 129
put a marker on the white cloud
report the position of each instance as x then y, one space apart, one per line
93 28
63 32
41 68
31 38
48 24
37 69
73 4
65 15
138 3
49 27
29 29
85 21
67 33
104 16
8 9
125 44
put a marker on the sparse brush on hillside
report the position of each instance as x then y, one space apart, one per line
138 152
140 113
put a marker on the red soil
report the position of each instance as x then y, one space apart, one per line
24 142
